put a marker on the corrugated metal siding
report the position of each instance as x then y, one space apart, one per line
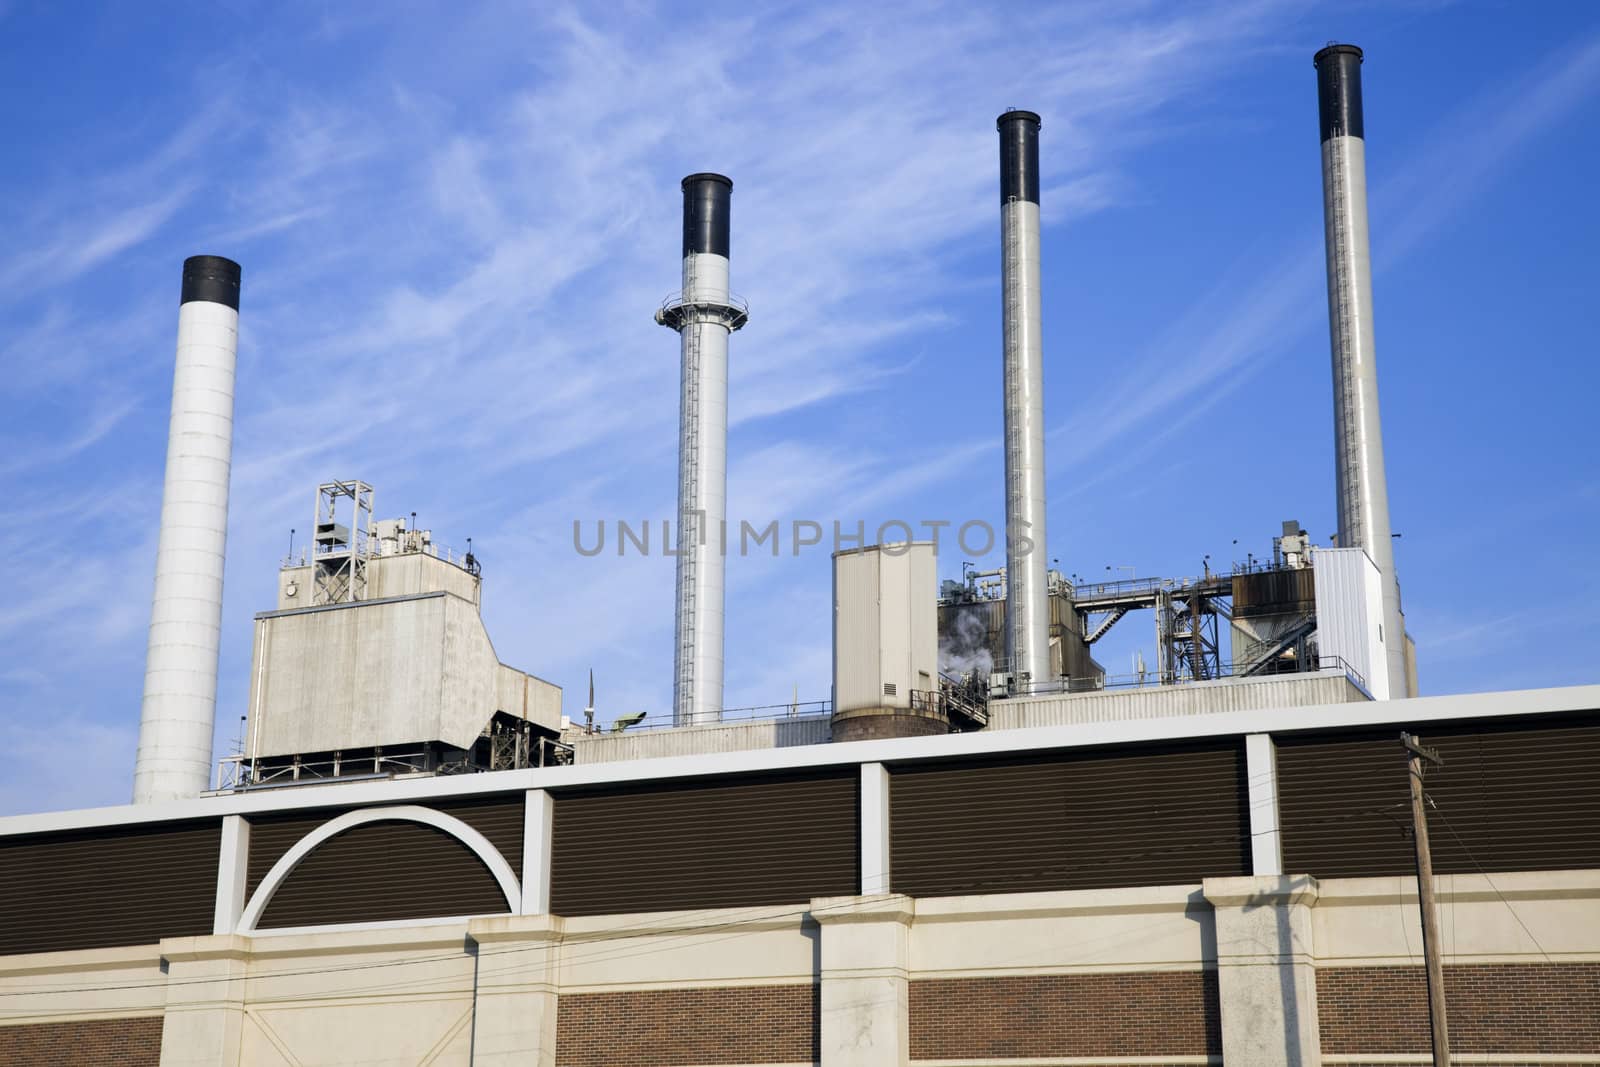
1521 797
707 843
703 740
1098 818
1273 592
1156 702
385 871
1350 615
498 817
108 887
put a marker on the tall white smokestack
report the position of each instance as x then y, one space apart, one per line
704 314
1363 492
1027 591
180 678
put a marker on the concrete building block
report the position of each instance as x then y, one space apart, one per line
515 974
866 963
204 1022
1266 970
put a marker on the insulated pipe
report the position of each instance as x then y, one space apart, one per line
180 678
1027 589
704 314
1363 493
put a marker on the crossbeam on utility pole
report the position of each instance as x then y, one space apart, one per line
1416 756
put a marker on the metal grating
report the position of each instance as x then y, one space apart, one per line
1521 797
737 842
108 887
1082 819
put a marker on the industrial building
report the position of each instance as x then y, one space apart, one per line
985 850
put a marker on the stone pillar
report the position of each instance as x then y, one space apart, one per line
204 1023
866 949
516 979
874 829
538 830
233 864
1261 771
1266 970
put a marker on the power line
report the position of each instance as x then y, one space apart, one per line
1486 878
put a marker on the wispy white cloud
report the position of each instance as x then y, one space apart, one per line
448 292
1242 322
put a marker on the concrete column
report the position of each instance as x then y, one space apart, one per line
1266 970
516 983
538 832
866 949
232 871
1261 771
204 1021
874 829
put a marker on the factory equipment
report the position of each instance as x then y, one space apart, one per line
376 661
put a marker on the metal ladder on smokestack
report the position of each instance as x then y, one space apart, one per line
1349 498
689 488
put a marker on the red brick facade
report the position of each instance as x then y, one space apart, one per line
91 1043
670 1027
1493 1008
1165 1013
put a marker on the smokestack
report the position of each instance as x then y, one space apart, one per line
180 677
1363 493
1027 591
704 314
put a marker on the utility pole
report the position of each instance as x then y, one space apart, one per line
1415 755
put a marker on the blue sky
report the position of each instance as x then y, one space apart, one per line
455 224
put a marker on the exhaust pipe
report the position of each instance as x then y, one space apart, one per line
1027 590
704 314
1363 493
180 678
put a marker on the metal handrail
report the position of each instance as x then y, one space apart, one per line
1154 679
805 709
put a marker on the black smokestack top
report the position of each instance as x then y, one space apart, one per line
1339 91
705 213
1019 156
212 278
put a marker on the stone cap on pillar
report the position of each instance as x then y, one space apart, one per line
1275 891
879 908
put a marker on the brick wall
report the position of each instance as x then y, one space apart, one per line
93 1043
1493 1008
668 1027
1167 1013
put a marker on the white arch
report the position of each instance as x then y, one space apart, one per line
451 825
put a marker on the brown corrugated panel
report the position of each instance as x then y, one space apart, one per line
1079 819
1273 592
385 871
707 843
128 885
1512 796
498 817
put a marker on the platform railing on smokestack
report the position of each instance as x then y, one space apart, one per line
704 314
